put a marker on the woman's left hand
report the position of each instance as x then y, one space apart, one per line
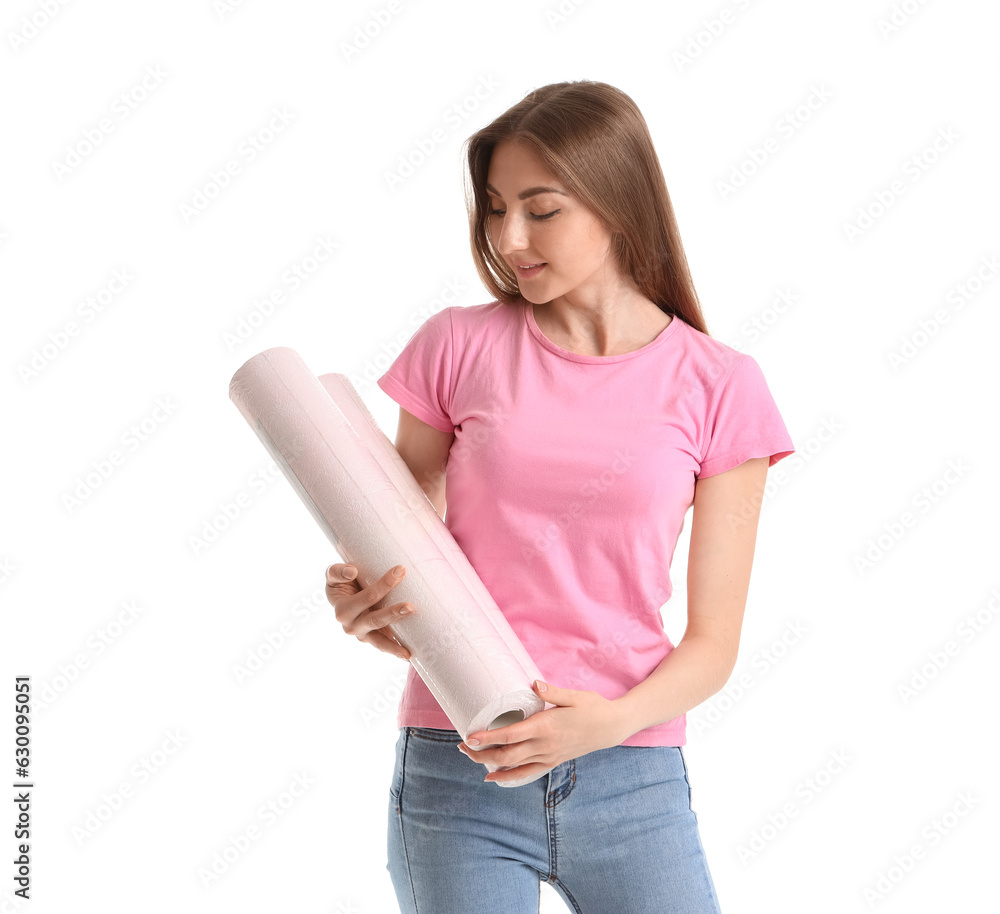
582 722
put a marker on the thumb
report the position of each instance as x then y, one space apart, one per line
553 694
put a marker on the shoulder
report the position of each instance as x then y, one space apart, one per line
465 317
708 361
474 327
492 315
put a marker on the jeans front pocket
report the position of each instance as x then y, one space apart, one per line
396 784
680 752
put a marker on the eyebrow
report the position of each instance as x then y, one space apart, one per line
530 192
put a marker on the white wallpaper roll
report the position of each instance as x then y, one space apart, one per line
364 497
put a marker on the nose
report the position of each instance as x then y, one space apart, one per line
513 235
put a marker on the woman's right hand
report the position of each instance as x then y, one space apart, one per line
352 606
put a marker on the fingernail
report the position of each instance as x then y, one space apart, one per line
404 611
349 573
397 571
472 742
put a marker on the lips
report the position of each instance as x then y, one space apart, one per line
528 269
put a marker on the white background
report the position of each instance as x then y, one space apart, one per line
828 639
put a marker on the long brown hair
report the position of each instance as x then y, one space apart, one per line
595 139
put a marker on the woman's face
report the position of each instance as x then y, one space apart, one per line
534 220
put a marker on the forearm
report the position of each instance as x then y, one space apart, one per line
697 668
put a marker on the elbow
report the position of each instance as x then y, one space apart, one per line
726 667
720 656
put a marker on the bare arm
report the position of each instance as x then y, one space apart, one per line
424 450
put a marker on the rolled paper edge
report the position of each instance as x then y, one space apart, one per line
252 374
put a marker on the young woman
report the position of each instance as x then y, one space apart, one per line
575 419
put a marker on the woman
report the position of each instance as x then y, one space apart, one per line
575 418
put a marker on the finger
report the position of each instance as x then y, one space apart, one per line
341 583
340 572
503 756
507 757
553 695
354 611
357 615
378 589
513 774
387 644
480 758
484 757
369 621
503 736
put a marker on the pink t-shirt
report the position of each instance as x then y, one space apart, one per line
569 478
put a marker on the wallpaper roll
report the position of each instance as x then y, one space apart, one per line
364 497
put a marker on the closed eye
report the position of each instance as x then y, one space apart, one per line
502 212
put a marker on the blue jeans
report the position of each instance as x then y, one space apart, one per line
613 831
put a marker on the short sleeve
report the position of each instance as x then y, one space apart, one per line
420 378
743 422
